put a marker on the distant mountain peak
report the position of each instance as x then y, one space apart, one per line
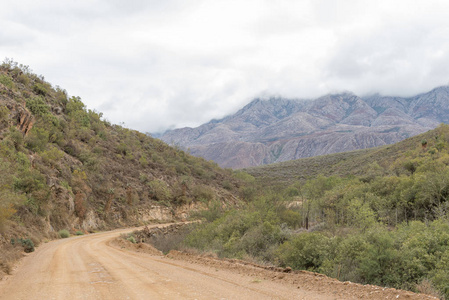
277 129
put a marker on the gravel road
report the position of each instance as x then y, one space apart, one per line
89 267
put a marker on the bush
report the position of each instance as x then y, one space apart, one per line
292 218
27 244
203 193
4 113
16 137
132 239
40 89
52 155
37 139
159 190
213 212
172 240
63 233
306 251
37 106
6 81
79 233
23 78
6 211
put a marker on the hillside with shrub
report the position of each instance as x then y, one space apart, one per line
390 158
64 167
374 216
378 217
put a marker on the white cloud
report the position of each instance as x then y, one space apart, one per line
161 64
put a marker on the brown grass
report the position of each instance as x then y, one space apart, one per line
9 254
426 287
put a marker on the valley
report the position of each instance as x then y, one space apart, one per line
224 150
372 216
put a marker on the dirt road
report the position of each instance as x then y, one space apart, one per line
88 267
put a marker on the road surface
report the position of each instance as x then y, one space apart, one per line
89 267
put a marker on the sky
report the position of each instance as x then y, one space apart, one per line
153 65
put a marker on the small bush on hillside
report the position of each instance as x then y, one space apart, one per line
203 193
6 81
37 139
23 78
159 190
52 156
4 113
129 237
79 233
132 239
63 233
213 212
27 244
40 89
6 211
38 106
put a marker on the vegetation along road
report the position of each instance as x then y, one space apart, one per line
90 267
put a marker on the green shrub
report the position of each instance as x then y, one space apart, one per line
16 137
143 161
122 148
6 81
4 113
61 95
253 232
63 233
37 139
6 211
74 104
37 106
23 78
160 190
292 218
227 185
52 155
40 89
213 212
203 193
27 244
79 233
305 251
132 239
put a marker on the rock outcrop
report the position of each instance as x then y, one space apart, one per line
275 130
19 116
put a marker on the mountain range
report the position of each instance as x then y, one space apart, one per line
277 129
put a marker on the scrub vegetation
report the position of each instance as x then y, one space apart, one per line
387 225
65 167
374 216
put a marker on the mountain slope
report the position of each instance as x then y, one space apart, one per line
353 163
63 167
276 130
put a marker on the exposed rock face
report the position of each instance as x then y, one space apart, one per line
25 120
18 116
275 130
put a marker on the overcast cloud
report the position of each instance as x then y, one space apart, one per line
156 65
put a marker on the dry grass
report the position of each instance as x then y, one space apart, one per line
426 287
9 254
